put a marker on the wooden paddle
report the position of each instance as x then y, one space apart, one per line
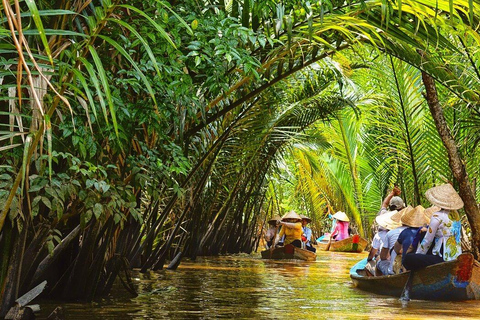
408 288
273 241
329 243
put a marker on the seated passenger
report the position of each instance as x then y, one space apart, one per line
391 220
292 229
385 224
307 234
444 230
415 220
272 230
341 228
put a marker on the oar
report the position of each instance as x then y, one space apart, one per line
329 243
408 288
273 242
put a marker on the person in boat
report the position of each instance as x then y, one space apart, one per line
272 230
444 230
292 229
414 220
389 221
385 224
392 202
387 254
326 237
307 234
341 228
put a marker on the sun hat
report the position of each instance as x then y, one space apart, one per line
292 215
340 215
274 219
429 211
396 202
396 217
385 220
445 197
306 218
414 218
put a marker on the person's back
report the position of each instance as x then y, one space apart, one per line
342 229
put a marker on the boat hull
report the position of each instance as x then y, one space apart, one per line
289 252
448 281
345 245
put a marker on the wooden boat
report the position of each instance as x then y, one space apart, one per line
289 252
453 280
352 244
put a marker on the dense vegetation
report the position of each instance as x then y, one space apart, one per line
131 131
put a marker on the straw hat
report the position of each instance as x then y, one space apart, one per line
396 202
274 219
340 215
292 215
397 217
385 220
445 197
429 211
306 218
414 218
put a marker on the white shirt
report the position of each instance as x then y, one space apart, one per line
379 239
390 240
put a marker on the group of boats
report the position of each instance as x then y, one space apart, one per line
449 281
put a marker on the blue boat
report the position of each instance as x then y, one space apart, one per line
455 280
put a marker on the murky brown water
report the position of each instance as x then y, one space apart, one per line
248 287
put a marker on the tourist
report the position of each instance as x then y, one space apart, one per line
390 221
444 230
385 224
272 230
392 202
414 220
307 234
341 228
291 229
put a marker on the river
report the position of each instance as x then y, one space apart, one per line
247 287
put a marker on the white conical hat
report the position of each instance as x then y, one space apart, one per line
385 220
292 215
342 216
445 197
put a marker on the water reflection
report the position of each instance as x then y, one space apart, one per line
247 287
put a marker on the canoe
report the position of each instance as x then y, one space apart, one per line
289 252
352 244
455 280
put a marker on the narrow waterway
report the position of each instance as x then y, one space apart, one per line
247 287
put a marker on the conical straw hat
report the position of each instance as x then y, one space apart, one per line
414 218
274 219
398 216
306 218
429 211
340 215
292 215
445 197
385 220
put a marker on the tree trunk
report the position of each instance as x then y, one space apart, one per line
455 162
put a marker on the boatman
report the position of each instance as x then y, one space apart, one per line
292 229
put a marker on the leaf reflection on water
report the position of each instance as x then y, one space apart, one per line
247 287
